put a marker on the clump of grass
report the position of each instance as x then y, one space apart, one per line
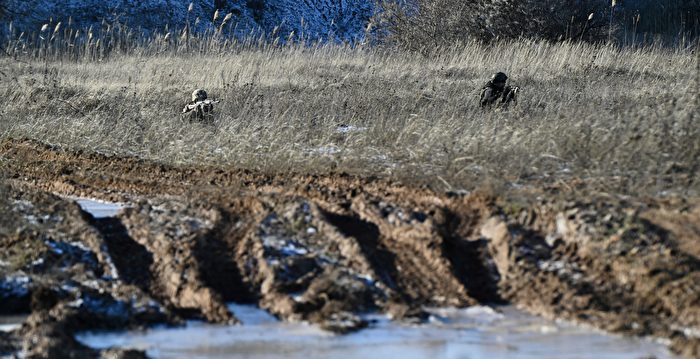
621 120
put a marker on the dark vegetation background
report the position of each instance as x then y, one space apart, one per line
411 23
429 23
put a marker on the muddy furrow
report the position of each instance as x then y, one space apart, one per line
635 280
131 259
58 268
326 249
175 236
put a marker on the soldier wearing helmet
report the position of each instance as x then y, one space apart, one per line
496 91
201 106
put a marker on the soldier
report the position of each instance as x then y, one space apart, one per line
201 105
496 91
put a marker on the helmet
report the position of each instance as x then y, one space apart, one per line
199 95
499 77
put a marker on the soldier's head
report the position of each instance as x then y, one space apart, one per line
499 79
199 95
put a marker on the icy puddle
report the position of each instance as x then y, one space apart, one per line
97 208
473 333
9 323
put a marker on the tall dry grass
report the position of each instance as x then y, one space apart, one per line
624 120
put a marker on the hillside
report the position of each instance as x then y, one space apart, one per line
343 20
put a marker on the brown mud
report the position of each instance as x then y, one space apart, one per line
324 249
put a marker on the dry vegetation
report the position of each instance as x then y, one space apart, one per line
622 120
591 118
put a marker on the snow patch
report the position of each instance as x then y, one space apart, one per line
349 128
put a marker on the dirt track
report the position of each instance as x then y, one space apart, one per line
324 249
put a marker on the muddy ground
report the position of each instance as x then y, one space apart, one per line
324 249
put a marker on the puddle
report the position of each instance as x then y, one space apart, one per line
474 333
9 323
97 208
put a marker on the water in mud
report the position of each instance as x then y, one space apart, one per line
476 332
99 209
9 323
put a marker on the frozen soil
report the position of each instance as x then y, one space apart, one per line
324 249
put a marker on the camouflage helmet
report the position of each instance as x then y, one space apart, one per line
499 78
199 95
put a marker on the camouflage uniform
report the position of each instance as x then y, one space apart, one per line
203 107
496 91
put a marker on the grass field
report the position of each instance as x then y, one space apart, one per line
619 120
585 199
